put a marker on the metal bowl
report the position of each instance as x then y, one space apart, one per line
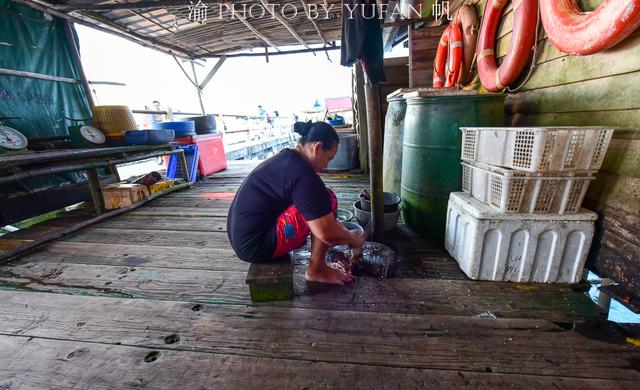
352 226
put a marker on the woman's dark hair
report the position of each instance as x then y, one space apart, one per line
317 131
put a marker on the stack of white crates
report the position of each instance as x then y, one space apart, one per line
519 218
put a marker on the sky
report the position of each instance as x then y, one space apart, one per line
288 83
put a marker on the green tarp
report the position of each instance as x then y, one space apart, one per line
33 42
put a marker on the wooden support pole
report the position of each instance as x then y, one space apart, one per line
75 56
372 94
96 190
360 116
411 34
213 71
40 76
198 89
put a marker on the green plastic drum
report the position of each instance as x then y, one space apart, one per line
431 167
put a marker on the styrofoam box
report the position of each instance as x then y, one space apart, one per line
513 191
489 245
537 149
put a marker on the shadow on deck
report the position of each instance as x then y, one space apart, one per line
157 298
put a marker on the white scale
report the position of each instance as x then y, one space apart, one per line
92 135
11 140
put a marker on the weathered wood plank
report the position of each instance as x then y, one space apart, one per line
411 296
191 202
590 95
451 297
198 224
566 69
618 191
410 341
616 248
127 281
151 238
623 157
625 121
223 259
32 363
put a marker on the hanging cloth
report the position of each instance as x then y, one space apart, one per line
362 38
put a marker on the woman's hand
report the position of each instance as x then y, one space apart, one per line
357 239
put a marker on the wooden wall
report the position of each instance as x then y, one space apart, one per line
600 89
396 71
423 45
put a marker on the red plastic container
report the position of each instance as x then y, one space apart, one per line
212 156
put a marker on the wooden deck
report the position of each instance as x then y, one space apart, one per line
156 298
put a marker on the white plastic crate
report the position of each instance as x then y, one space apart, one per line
526 192
489 245
537 149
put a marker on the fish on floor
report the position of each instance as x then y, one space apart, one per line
375 259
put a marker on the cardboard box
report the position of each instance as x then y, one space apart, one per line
120 195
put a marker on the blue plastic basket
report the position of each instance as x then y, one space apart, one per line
192 155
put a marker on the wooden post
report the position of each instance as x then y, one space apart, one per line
113 170
360 116
213 71
195 82
96 190
411 38
75 56
372 94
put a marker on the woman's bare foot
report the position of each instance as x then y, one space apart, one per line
328 275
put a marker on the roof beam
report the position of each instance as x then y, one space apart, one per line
115 6
115 29
283 21
212 72
305 5
257 33
298 51
157 23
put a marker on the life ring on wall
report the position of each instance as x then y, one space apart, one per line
574 31
449 55
525 12
467 18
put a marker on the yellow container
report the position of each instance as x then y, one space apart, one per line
160 186
114 120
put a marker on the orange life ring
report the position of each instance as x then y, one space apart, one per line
525 12
574 31
467 18
449 53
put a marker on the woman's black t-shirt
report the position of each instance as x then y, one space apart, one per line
281 181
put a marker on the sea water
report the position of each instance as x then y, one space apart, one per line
617 311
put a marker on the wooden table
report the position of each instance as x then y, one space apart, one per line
17 167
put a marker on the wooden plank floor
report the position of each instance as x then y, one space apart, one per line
156 298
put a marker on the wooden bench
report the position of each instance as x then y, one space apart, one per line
272 280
